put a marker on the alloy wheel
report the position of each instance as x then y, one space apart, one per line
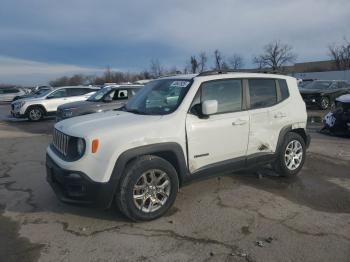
35 114
151 190
293 155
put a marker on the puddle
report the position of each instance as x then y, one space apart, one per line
313 187
13 247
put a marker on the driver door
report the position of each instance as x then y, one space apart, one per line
221 138
56 99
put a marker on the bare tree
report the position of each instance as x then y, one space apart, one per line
202 61
194 64
236 62
340 54
218 59
275 56
156 69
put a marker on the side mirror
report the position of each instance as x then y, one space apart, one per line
209 107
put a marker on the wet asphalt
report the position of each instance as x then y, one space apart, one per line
306 218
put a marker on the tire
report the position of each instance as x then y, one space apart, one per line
137 182
284 164
35 114
325 103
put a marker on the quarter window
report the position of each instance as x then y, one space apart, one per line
228 93
284 89
262 93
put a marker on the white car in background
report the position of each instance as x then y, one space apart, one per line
7 94
45 104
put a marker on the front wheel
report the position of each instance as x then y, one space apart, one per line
148 188
291 156
35 114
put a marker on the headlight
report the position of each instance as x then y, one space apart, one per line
67 113
80 146
18 105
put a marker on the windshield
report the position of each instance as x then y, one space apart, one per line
319 85
98 96
159 97
41 93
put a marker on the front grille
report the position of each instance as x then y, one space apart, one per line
60 142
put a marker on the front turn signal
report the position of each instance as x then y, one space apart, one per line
94 145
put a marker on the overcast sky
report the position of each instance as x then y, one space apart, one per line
43 39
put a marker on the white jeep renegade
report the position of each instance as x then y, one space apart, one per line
174 130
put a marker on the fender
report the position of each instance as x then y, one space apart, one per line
170 151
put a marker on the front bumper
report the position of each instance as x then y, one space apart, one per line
17 112
75 187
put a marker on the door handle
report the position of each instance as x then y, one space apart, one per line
280 115
239 122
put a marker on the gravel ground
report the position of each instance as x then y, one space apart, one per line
235 217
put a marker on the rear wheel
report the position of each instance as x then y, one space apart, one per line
35 114
291 156
148 188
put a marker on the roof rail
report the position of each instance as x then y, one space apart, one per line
216 72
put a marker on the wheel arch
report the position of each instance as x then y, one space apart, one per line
36 105
170 151
300 131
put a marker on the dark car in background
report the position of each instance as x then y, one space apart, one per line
108 98
322 93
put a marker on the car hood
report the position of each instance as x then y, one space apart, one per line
314 91
344 98
29 99
105 122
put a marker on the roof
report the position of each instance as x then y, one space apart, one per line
224 74
91 87
182 76
124 86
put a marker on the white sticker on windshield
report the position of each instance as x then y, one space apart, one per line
179 83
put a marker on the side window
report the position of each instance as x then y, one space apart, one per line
122 94
59 93
77 91
284 89
262 93
11 91
228 93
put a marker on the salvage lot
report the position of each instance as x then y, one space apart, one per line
221 219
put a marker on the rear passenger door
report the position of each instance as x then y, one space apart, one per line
280 114
222 137
262 96
78 94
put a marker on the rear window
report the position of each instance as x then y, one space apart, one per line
262 93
